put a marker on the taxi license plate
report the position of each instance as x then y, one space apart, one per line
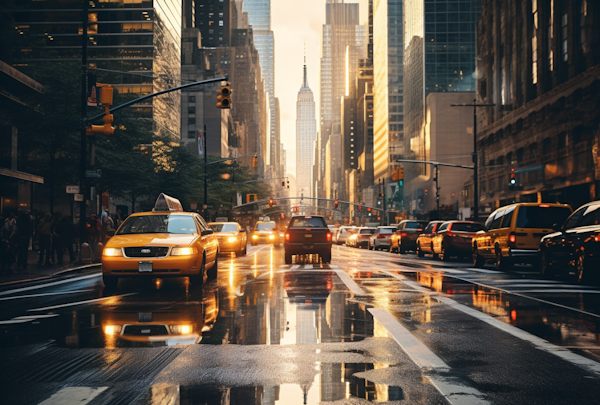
145 267
308 235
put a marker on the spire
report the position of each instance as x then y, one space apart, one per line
305 82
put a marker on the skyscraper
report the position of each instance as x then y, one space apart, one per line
306 133
259 17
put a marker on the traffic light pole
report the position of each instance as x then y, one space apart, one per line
205 175
83 139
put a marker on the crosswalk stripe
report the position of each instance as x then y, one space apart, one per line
74 396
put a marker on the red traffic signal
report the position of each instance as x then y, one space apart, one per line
359 207
336 203
271 202
369 209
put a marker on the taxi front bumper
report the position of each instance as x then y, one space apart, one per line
173 266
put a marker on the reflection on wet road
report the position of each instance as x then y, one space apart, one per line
370 327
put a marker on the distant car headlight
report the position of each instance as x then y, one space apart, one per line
271 236
114 252
281 235
185 251
254 236
112 329
181 329
231 239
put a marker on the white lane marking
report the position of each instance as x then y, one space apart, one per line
527 280
43 295
36 287
70 304
561 291
542 344
422 356
258 249
87 266
12 321
74 396
482 270
351 284
28 318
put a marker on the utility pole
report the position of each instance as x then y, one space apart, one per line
383 203
475 164
205 175
83 138
437 190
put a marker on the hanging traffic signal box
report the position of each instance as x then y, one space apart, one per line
106 99
398 174
255 161
224 97
336 203
513 179
251 198
271 202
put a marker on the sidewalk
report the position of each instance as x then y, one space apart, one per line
35 271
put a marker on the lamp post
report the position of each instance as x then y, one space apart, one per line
475 164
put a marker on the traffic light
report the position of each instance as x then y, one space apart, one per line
106 99
282 215
288 184
369 209
271 202
283 184
224 97
513 177
255 161
359 208
336 203
251 198
400 173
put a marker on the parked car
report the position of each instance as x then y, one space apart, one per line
231 236
575 246
307 235
512 234
454 238
361 237
405 237
424 240
343 233
381 238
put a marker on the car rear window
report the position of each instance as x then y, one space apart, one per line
458 227
386 230
266 226
413 225
178 224
541 217
308 222
223 227
367 231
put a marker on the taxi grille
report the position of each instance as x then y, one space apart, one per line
145 330
146 251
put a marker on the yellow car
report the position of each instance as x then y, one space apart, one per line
232 237
266 232
166 242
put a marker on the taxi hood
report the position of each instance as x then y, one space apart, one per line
151 239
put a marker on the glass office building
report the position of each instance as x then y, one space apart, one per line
141 37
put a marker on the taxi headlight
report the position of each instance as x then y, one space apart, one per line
114 252
271 236
254 236
231 239
185 251
181 329
112 329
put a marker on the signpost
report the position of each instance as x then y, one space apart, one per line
93 173
78 197
72 189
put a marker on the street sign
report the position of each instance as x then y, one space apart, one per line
93 173
72 189
78 197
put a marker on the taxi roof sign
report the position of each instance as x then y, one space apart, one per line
165 203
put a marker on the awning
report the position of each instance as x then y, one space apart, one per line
15 174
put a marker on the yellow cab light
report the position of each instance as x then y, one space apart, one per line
181 329
254 236
185 251
544 205
112 329
271 236
114 252
231 239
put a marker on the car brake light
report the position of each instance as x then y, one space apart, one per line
596 237
381 236
403 233
512 240
450 234
328 236
287 236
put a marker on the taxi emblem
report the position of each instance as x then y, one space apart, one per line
146 251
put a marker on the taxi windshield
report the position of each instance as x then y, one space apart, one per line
178 224
223 227
265 226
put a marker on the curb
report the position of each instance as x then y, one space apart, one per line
58 273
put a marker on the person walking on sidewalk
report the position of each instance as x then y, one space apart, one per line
24 232
94 233
44 231
108 227
8 242
66 232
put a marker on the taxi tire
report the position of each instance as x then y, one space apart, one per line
445 256
401 250
110 281
198 279
478 260
211 274
420 253
501 262
243 251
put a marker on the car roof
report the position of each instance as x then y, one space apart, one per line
137 214
218 223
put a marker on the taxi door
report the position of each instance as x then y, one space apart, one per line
210 243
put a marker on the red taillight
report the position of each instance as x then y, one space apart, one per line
287 237
329 285
328 236
596 237
381 236
403 233
450 234
512 238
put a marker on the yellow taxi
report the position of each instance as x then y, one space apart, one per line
512 234
266 232
166 242
232 237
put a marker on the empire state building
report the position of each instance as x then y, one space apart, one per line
306 133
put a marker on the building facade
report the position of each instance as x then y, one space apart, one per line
538 62
439 56
306 134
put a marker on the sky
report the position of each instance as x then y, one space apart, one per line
296 23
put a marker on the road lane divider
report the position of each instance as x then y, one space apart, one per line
46 285
74 396
26 318
541 344
347 280
70 304
433 367
45 294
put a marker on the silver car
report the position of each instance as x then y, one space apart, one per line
343 233
382 238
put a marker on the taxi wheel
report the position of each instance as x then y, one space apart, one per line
501 262
478 261
110 281
445 256
242 251
198 279
419 251
212 272
288 258
401 250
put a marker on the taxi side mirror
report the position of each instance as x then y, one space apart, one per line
207 232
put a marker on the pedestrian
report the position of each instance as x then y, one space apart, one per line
118 219
94 233
108 227
24 232
44 231
7 242
66 232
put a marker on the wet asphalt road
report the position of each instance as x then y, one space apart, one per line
370 327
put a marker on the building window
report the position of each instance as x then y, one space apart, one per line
191 110
584 42
191 134
534 53
551 37
565 35
191 121
192 99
